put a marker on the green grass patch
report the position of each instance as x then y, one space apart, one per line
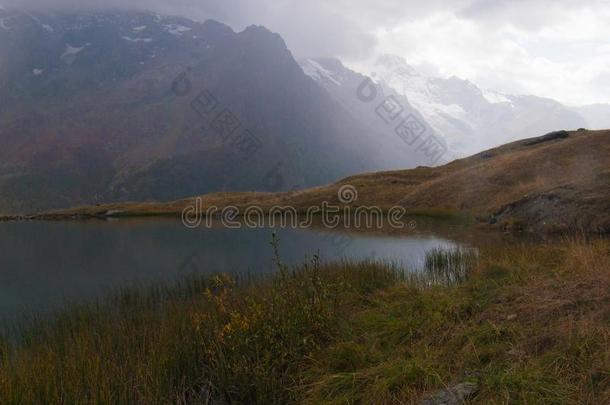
527 324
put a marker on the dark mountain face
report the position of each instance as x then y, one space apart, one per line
99 107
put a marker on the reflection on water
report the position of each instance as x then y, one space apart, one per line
43 264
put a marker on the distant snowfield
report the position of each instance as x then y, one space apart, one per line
316 71
72 50
495 98
468 118
176 29
130 39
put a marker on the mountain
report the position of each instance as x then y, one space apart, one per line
556 183
596 115
375 107
117 106
469 118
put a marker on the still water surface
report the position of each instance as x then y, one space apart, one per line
43 265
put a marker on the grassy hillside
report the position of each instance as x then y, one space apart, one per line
555 184
521 324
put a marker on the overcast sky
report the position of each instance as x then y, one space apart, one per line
554 48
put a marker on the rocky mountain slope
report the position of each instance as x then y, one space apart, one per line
119 106
116 106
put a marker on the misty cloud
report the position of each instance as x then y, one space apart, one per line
554 48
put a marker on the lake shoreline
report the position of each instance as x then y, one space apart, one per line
306 333
494 188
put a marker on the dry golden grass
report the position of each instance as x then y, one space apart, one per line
532 325
529 324
560 185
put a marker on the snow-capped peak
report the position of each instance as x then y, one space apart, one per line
469 118
424 93
130 39
317 72
176 29
495 97
73 50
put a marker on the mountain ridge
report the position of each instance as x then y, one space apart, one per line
471 118
467 118
89 113
557 183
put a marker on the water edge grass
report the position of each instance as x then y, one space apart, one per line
202 338
530 324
